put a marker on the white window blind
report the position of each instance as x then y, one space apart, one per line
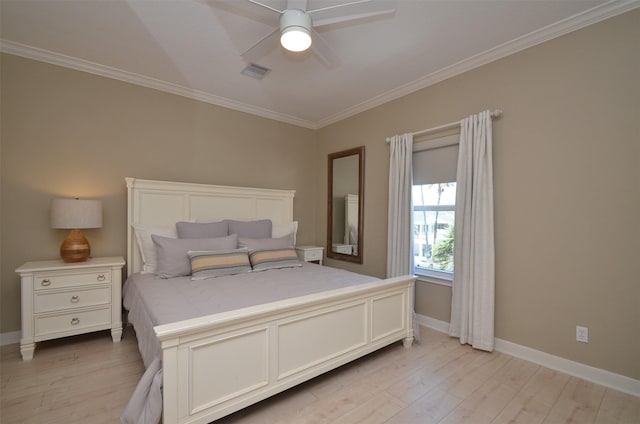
435 161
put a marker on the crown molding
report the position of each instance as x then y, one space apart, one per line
565 26
47 56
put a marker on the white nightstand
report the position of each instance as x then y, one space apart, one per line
310 253
63 299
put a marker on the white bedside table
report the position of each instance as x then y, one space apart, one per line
63 299
310 253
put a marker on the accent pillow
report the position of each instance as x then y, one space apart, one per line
250 229
173 260
202 229
262 260
266 243
146 246
206 264
281 230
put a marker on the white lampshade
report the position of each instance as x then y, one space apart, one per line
76 213
295 30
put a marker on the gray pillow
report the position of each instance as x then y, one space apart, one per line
266 243
173 259
250 229
202 229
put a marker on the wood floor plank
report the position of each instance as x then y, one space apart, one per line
617 407
431 408
516 374
393 363
327 384
483 405
532 404
466 380
501 385
278 408
377 410
331 408
89 379
426 378
579 402
82 379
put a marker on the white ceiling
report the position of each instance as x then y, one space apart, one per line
192 47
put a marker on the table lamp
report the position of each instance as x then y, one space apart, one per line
75 214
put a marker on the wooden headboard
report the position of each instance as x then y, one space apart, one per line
163 203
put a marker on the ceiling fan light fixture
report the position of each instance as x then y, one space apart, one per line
295 39
295 30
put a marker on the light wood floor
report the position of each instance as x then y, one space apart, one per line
88 379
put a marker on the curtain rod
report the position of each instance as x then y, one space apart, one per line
494 114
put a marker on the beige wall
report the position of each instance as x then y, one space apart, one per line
566 157
567 189
68 133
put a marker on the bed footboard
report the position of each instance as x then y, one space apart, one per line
218 364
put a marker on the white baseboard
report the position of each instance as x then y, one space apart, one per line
434 324
586 372
10 338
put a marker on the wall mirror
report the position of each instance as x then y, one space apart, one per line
346 205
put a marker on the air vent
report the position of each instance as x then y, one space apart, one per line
255 71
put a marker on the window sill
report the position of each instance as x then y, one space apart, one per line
435 280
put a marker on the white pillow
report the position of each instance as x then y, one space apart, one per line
146 246
281 230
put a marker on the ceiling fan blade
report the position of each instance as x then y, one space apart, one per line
262 47
249 10
349 12
266 6
322 49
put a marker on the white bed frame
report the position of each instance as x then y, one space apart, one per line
217 364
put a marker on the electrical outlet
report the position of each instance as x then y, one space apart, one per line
582 334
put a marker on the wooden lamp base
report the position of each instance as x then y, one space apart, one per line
75 248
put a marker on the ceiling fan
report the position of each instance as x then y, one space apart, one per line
297 33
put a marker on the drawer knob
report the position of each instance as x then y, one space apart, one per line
75 299
101 277
46 282
75 321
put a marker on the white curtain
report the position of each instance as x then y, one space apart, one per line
399 243
472 305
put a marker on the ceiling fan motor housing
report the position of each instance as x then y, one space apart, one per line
295 18
295 21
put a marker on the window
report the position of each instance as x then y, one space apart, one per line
434 200
433 229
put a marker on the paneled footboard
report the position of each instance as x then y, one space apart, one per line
218 364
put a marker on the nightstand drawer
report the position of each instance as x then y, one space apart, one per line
310 253
44 281
313 255
72 321
46 301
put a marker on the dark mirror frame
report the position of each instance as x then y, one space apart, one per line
359 151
